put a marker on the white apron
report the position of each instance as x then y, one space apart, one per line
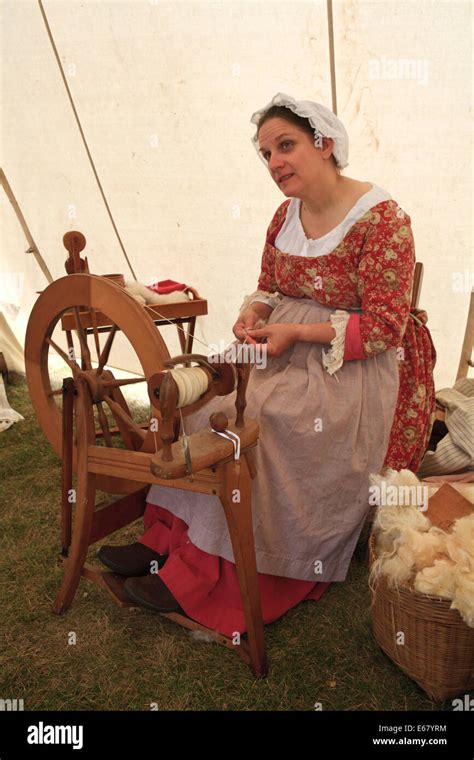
321 436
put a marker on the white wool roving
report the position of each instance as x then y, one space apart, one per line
453 576
437 580
449 569
137 297
404 538
145 295
408 547
411 550
424 548
460 543
391 523
395 477
460 548
402 489
393 567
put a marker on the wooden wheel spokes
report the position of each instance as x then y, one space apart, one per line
104 424
76 369
57 392
118 383
73 365
136 431
95 329
85 353
83 304
104 356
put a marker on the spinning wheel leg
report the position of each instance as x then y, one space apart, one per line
85 503
66 452
236 500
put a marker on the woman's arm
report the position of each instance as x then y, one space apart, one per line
321 332
384 281
283 335
384 284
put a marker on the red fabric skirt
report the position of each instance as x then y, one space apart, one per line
206 586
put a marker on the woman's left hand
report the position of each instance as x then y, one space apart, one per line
279 337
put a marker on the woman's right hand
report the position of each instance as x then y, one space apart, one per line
248 318
245 321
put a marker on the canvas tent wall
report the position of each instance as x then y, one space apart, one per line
164 92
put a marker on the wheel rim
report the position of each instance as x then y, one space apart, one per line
130 318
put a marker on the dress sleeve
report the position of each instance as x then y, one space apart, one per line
384 282
334 358
262 296
266 279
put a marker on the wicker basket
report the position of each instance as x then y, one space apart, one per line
438 649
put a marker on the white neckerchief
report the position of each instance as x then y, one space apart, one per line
292 239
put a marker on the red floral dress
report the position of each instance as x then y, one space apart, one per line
370 275
371 270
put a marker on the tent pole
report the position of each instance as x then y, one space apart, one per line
331 56
33 247
81 131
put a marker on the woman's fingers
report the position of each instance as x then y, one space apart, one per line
245 322
261 332
240 330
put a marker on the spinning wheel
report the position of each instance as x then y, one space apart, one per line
90 425
97 306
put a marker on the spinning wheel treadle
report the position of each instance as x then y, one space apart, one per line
94 414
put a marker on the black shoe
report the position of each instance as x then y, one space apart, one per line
130 560
152 593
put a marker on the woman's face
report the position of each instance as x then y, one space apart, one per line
293 160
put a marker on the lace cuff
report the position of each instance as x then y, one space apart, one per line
271 299
333 358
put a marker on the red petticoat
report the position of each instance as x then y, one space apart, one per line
206 586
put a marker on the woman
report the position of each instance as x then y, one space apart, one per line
335 288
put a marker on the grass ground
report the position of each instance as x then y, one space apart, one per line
126 660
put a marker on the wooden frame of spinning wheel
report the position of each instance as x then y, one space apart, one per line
91 302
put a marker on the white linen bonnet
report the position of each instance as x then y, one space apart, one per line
323 121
